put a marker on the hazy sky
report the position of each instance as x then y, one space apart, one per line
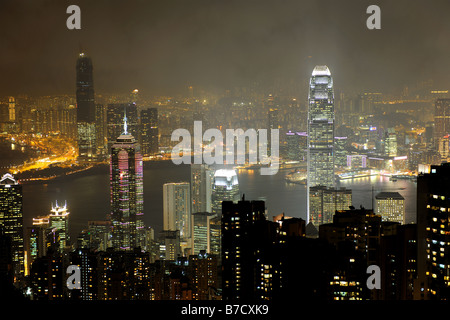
165 45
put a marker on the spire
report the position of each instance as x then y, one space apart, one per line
125 125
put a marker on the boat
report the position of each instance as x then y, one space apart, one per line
296 177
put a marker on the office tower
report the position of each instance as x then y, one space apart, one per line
59 221
225 188
100 128
115 113
149 131
169 245
390 143
177 210
127 192
87 139
324 202
390 206
201 232
11 220
296 145
37 238
201 187
215 234
433 216
320 130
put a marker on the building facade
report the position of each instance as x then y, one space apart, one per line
320 144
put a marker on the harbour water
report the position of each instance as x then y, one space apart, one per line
88 198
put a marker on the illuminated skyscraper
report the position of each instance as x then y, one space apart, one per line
127 197
225 188
87 137
59 221
177 210
320 131
11 220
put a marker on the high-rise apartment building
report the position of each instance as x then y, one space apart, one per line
433 228
320 130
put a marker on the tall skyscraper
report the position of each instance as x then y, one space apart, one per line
390 206
320 131
149 131
177 210
127 192
201 187
87 137
11 220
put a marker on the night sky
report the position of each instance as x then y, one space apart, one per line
162 46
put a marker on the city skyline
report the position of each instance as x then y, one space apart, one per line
356 204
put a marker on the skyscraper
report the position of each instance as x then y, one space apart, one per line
225 188
201 187
59 221
87 138
11 220
149 131
320 130
177 209
127 200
